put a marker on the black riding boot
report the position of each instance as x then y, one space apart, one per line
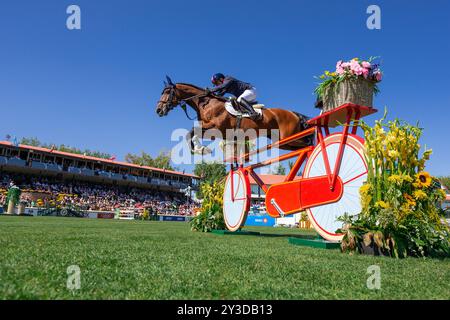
252 113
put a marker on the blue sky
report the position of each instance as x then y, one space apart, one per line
97 87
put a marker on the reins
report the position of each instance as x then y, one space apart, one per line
183 103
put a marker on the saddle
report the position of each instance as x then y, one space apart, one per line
235 109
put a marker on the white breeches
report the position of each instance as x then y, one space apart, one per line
249 95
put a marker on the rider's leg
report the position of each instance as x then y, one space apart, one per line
245 100
249 95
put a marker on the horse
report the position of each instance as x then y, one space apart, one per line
211 114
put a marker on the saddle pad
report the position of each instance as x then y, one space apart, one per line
231 110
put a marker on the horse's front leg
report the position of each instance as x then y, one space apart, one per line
194 141
189 136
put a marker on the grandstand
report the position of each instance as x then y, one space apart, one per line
92 183
36 160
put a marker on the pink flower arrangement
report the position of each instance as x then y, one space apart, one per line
350 69
359 68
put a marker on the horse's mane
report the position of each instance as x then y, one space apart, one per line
203 89
191 85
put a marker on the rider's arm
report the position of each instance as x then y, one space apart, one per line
222 89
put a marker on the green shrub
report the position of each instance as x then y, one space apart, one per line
211 214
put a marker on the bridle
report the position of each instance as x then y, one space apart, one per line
172 103
169 104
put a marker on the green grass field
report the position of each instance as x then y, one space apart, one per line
164 260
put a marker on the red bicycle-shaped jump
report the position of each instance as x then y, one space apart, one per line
334 170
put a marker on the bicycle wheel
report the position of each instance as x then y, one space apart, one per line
236 199
353 173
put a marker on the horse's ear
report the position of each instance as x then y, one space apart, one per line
165 84
169 81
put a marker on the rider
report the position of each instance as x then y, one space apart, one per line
245 92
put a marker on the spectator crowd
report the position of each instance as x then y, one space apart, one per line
98 197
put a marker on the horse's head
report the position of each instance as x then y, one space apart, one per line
168 99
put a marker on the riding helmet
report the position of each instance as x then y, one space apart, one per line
216 77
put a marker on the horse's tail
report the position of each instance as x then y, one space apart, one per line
303 125
302 121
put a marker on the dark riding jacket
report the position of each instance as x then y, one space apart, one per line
232 86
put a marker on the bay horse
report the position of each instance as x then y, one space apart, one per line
211 114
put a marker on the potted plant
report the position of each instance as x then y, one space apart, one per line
13 198
304 221
354 81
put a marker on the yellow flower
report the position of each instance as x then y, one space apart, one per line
423 180
322 77
407 178
333 74
405 209
420 166
365 188
395 178
366 200
420 195
327 73
391 137
441 193
393 153
379 130
426 154
382 204
409 200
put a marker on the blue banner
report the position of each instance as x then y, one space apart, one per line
172 218
261 221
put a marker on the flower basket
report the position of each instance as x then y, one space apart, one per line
351 90
354 81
